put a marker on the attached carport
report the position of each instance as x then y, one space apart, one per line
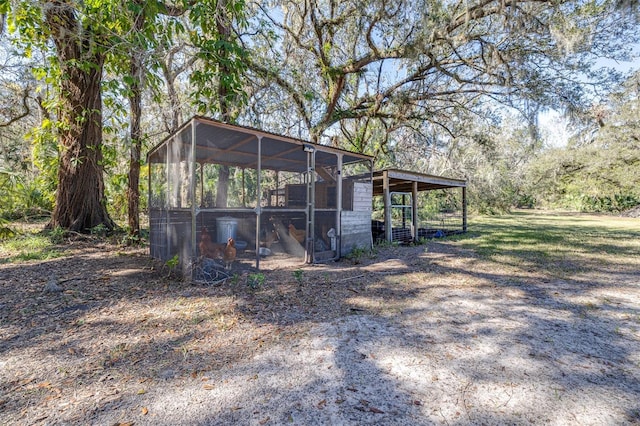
393 181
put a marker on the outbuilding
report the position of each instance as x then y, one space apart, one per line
280 199
406 218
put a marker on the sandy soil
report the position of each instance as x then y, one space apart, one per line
418 335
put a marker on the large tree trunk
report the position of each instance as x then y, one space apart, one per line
133 190
135 103
80 203
222 190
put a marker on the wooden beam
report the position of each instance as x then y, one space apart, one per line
414 211
464 209
388 231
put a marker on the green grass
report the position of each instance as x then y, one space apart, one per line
28 246
553 240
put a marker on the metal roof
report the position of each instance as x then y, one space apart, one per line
402 181
234 145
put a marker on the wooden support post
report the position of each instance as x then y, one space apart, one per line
244 202
388 231
414 210
464 209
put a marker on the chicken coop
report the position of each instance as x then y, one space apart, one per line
412 206
227 198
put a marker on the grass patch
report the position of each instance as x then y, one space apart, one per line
552 240
26 247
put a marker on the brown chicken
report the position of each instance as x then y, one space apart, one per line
269 238
298 234
207 247
229 253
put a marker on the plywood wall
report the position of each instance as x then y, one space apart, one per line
356 230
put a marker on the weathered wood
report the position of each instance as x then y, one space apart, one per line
414 211
464 209
387 206
362 196
324 174
356 231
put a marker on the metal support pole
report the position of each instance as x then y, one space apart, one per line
338 228
194 210
311 205
258 201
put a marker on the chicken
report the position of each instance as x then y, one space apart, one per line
298 234
229 253
269 238
207 247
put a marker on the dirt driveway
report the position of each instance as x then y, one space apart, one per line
418 335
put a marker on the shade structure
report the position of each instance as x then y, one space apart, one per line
394 181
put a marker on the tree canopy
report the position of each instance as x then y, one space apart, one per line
438 86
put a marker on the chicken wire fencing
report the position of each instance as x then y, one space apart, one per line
224 200
439 213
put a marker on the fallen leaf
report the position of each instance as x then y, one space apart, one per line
141 391
416 402
144 411
322 403
376 410
265 420
208 387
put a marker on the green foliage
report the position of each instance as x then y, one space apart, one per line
598 170
358 254
255 280
100 230
6 232
26 247
172 264
57 235
386 244
21 198
298 274
223 58
131 240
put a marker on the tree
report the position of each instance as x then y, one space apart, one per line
85 36
598 169
222 61
402 63
79 42
80 203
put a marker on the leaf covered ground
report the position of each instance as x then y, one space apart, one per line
529 318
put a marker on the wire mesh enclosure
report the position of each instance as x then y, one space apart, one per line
225 198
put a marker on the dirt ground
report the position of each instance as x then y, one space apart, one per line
417 335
